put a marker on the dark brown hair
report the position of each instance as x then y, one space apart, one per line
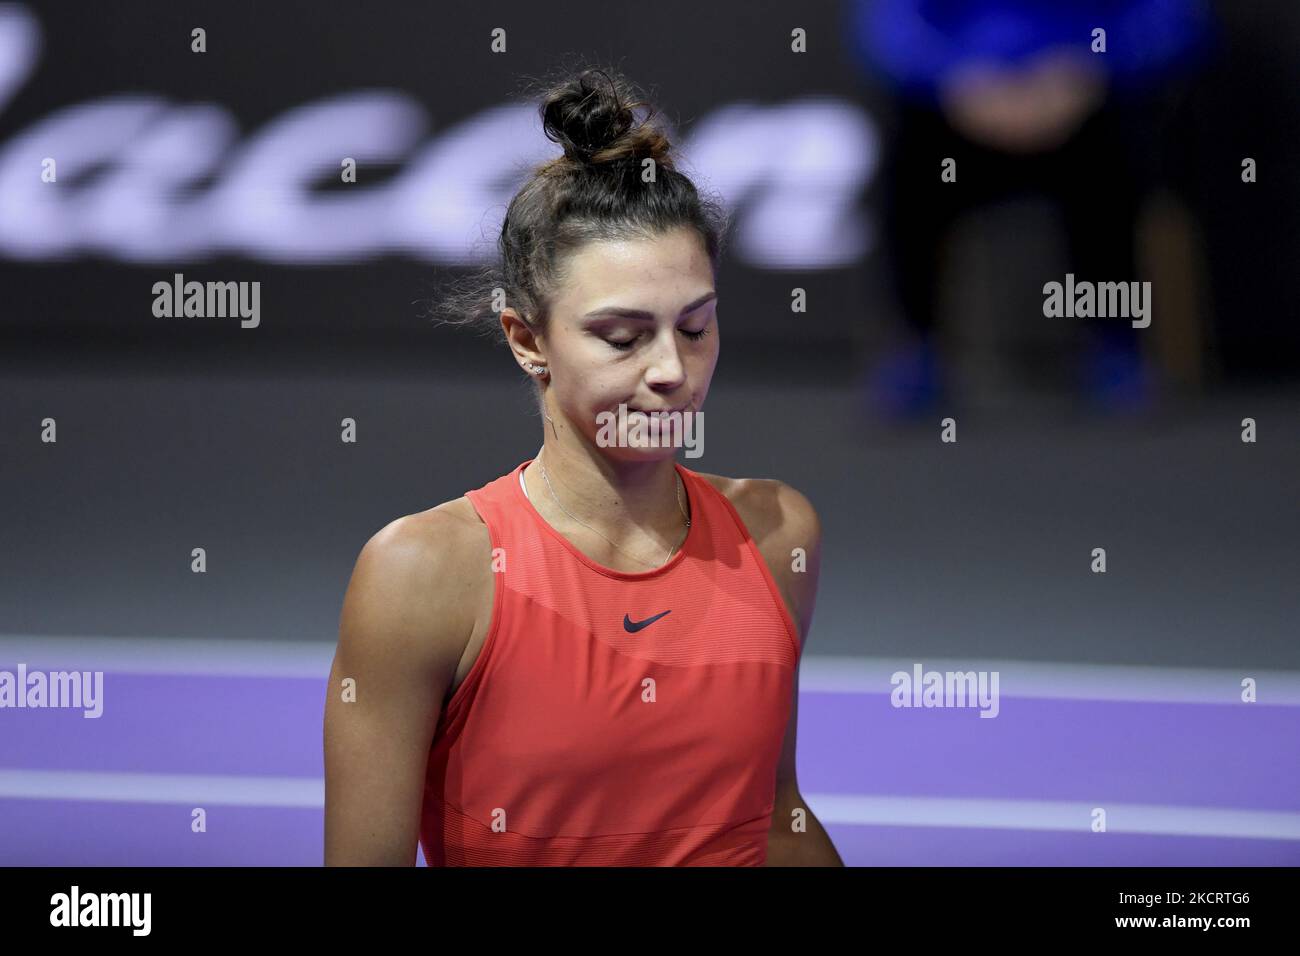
594 191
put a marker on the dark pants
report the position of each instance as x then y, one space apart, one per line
1095 178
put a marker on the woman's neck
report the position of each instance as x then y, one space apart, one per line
637 505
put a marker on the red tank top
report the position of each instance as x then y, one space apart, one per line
584 736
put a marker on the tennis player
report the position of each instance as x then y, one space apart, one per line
592 659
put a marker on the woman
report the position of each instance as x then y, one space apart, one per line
592 659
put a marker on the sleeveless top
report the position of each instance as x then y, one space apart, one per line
615 718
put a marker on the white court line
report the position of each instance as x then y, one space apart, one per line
831 808
818 674
1053 815
871 675
194 789
169 655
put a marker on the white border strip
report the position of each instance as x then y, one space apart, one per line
818 674
831 808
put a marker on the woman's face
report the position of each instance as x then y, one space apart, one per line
659 359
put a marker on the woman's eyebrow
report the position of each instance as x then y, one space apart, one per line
641 313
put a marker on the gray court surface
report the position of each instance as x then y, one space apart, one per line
982 547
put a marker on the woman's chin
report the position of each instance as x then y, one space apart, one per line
644 450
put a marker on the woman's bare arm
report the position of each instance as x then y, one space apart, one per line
408 614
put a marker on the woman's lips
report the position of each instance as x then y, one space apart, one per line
658 411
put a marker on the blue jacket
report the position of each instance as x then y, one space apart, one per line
914 43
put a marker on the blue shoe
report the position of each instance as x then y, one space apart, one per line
1116 377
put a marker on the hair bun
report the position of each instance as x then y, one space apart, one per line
592 116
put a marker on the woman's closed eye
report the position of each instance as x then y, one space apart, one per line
625 344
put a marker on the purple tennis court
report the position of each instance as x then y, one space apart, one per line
1182 771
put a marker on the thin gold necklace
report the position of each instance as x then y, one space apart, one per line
677 486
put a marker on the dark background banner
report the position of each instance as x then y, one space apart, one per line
225 166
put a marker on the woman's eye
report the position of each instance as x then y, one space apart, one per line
623 346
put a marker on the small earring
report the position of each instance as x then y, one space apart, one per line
537 369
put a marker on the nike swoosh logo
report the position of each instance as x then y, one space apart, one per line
632 626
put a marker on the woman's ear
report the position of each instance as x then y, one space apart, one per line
524 342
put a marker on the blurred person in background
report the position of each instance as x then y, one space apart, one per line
1019 95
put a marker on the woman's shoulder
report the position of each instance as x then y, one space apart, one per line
444 535
417 592
433 562
780 519
769 507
